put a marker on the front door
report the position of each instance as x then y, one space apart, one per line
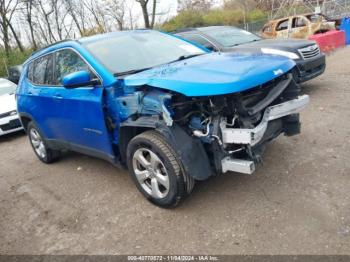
81 121
282 28
299 28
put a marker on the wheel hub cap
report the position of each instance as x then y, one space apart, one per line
151 173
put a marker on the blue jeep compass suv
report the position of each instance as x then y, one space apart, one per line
171 111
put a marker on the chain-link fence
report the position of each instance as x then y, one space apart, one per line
254 27
336 9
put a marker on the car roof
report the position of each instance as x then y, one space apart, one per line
292 16
202 29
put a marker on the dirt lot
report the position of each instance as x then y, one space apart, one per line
298 202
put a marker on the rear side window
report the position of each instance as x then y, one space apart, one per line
40 71
282 25
68 61
298 22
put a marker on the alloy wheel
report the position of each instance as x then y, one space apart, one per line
37 143
151 173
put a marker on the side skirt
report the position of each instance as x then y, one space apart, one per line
62 145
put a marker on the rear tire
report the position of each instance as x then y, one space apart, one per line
39 145
157 171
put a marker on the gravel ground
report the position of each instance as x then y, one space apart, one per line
298 201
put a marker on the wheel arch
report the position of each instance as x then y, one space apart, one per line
25 120
190 151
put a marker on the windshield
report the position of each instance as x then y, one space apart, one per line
231 36
137 50
6 87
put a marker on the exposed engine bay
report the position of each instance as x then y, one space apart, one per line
225 124
234 128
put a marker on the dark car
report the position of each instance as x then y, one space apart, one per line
15 73
307 55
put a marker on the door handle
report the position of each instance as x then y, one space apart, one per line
30 93
57 96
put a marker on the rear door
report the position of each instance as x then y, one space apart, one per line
39 95
81 120
282 28
299 27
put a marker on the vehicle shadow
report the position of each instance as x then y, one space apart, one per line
12 136
315 87
220 190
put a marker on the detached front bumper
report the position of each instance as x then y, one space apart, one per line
253 136
10 124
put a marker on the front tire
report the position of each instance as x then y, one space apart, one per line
39 145
157 171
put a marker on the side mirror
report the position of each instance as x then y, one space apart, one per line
79 79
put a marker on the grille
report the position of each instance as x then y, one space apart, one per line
11 125
310 51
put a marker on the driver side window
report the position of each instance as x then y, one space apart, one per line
68 61
282 25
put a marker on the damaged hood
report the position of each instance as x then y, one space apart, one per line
213 73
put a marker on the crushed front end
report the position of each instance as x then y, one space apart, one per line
235 128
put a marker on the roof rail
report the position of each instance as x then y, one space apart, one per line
62 41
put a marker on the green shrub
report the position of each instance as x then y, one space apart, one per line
193 18
223 17
256 15
183 20
16 57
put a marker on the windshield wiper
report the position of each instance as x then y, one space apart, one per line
184 57
129 72
134 71
245 42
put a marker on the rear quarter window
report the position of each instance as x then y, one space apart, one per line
40 71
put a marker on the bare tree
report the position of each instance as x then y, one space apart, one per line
15 35
77 11
7 9
131 15
202 5
117 10
145 13
98 15
59 14
46 17
28 14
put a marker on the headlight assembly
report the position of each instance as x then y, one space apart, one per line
271 51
